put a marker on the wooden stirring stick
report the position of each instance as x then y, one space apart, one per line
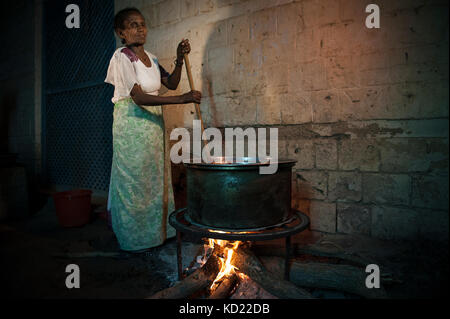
191 84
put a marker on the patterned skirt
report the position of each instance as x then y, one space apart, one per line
137 177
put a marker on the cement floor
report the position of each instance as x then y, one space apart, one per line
29 268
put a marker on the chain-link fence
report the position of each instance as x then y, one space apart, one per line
78 108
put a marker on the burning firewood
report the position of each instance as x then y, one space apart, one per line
219 274
198 280
249 264
244 261
248 289
230 261
225 287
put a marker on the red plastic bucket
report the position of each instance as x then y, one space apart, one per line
73 208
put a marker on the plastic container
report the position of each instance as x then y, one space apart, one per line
73 208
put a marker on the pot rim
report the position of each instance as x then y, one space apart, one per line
223 162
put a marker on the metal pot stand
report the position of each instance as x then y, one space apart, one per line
296 223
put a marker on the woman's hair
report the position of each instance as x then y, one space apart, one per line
121 16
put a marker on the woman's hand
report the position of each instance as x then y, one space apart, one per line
191 97
183 48
141 98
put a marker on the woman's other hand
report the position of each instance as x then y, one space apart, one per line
141 98
192 97
183 48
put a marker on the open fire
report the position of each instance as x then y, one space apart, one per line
226 269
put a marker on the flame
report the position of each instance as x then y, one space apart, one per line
226 268
242 276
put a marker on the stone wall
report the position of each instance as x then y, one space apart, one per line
363 111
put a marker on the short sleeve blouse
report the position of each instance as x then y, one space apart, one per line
126 69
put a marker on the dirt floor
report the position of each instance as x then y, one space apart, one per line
32 265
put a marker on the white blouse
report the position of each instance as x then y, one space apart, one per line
126 69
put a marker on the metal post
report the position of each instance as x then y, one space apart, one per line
288 255
179 256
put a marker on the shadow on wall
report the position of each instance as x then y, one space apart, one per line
245 64
240 65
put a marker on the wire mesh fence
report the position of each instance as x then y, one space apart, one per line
78 108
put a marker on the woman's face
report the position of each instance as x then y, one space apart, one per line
135 30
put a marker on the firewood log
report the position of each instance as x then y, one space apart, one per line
313 250
337 277
225 287
198 280
248 263
355 259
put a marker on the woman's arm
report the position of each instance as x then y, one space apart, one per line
172 81
141 98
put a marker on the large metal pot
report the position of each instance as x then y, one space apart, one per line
228 195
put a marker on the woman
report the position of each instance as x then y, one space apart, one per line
137 173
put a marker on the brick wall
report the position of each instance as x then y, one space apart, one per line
363 111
